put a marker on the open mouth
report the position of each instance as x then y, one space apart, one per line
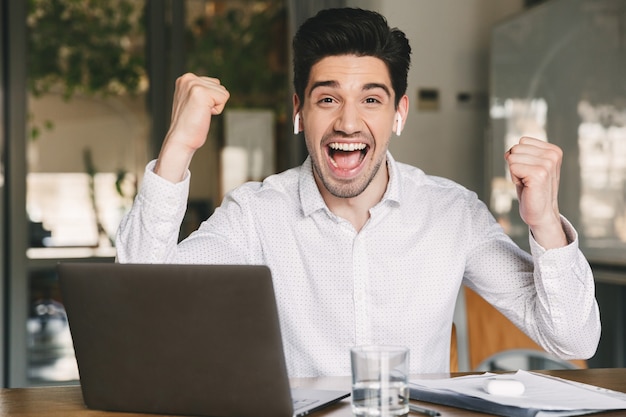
347 156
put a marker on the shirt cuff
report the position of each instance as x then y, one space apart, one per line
161 194
557 258
149 172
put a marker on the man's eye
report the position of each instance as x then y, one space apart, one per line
371 100
326 100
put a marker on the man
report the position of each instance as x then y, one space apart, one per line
363 249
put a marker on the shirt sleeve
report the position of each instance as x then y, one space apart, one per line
567 313
148 233
548 294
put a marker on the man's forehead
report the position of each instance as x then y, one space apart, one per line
350 71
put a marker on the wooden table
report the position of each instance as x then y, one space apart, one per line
66 401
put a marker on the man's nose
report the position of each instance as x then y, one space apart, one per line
348 120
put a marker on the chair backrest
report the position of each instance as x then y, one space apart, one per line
454 351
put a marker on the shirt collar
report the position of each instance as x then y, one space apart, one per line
311 198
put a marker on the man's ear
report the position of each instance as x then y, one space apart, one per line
402 111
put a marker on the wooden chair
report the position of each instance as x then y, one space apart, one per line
494 343
454 351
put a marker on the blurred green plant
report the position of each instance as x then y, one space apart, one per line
245 45
87 47
97 48
90 168
94 47
84 46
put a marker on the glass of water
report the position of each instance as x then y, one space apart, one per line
380 376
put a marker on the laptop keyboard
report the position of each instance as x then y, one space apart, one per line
303 402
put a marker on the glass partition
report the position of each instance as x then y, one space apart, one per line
87 139
94 71
557 73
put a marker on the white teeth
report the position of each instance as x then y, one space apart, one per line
347 147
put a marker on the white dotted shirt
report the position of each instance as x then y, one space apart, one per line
394 282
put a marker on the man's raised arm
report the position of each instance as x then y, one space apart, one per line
196 100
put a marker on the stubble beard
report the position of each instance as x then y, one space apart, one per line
346 189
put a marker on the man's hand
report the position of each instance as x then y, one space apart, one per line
196 100
535 168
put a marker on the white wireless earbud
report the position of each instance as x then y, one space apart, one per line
296 124
399 125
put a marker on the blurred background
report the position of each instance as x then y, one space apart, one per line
85 104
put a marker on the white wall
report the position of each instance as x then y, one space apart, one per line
114 128
450 43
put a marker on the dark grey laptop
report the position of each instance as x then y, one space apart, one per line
200 340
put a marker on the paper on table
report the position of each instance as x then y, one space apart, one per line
541 393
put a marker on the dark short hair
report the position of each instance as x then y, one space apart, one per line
350 31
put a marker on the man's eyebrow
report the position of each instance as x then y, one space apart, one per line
317 84
334 84
372 86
